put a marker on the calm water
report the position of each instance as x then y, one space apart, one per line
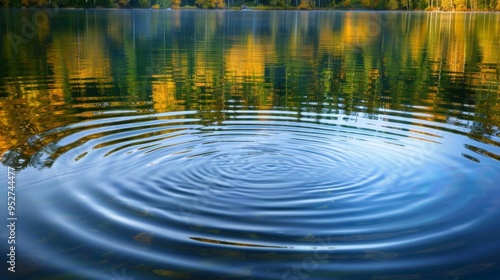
251 145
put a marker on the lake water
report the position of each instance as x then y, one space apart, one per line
251 145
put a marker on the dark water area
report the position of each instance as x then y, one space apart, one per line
250 145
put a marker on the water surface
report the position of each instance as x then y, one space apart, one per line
252 145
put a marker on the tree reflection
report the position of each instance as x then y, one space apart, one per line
93 64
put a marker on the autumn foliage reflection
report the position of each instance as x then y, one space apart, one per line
91 64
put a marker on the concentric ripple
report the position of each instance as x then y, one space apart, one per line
264 180
251 145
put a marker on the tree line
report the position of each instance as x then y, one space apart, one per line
429 5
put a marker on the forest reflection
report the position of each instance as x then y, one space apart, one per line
94 64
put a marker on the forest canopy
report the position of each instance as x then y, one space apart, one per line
428 5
